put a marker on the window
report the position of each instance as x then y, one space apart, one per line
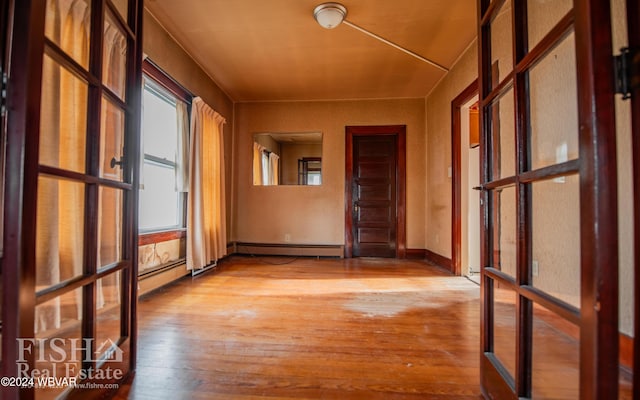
161 205
310 171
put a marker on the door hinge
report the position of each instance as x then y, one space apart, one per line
3 92
627 71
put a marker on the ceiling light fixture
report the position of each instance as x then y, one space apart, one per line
330 15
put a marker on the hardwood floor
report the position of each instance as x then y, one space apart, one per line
310 329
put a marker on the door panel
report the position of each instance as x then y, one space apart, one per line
375 169
375 191
549 276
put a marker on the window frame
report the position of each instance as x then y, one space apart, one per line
162 80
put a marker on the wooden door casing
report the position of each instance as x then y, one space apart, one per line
398 197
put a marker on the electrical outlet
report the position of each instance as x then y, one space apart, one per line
287 237
535 269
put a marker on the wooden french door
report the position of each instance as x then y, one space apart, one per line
375 195
70 211
549 251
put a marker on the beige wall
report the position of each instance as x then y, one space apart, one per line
170 57
625 182
438 152
314 215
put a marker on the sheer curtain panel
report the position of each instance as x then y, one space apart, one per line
206 218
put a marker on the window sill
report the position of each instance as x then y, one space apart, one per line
162 236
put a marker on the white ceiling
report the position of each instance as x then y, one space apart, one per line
273 50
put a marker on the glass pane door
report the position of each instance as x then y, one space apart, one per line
77 272
542 236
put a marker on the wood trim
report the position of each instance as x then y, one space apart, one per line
633 32
456 175
152 70
437 259
415 254
156 237
598 201
20 201
401 175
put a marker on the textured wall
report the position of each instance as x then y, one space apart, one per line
315 215
438 183
625 182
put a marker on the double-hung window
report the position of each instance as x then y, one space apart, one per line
162 204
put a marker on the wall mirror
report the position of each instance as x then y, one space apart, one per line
287 158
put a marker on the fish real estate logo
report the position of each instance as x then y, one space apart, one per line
58 362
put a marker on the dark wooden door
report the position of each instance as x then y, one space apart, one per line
374 202
70 209
549 199
375 191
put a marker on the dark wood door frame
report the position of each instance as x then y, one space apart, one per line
456 188
633 31
401 173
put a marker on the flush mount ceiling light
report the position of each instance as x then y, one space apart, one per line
330 15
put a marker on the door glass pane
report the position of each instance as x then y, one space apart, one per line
59 231
504 327
58 343
114 62
555 356
501 47
108 302
123 7
554 107
543 15
556 238
503 136
110 226
504 231
111 141
63 121
67 24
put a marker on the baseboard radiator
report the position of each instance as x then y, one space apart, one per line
298 250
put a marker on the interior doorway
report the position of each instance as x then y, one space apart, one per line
375 196
465 151
470 167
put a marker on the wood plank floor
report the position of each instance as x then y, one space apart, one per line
310 329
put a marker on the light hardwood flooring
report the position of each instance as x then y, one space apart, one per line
280 328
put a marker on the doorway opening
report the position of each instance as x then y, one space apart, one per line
465 214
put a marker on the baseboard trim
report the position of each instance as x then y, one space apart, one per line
415 254
301 250
437 259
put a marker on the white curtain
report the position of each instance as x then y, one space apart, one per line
274 174
182 148
206 217
258 150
